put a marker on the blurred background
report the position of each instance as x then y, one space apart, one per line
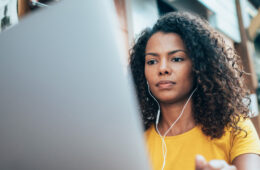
237 20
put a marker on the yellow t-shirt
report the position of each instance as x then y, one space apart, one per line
182 149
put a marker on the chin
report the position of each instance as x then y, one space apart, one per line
168 99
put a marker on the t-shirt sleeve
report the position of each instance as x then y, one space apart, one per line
242 143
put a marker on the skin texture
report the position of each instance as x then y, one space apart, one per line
247 161
208 65
242 162
217 74
166 59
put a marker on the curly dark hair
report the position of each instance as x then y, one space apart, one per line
221 98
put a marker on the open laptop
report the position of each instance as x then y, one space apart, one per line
65 102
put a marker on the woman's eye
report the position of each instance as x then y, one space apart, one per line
151 62
177 59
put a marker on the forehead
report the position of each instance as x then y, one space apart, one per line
160 42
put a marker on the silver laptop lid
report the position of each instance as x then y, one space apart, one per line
65 102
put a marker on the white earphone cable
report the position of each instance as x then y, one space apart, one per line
164 146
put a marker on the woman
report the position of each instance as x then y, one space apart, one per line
191 95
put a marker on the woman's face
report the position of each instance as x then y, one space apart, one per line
168 68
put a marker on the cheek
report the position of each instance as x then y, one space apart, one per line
187 78
148 74
186 75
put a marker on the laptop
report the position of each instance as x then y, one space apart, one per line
65 100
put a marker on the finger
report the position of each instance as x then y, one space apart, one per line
217 164
200 162
233 167
229 168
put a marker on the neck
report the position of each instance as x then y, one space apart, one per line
171 112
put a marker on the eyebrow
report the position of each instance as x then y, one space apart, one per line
169 53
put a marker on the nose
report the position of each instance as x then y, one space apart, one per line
164 67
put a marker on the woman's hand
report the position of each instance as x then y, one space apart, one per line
202 164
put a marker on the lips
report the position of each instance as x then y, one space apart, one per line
165 84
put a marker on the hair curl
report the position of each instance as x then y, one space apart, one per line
219 101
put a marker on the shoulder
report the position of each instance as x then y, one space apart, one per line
245 141
149 131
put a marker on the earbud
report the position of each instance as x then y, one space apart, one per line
148 85
159 109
